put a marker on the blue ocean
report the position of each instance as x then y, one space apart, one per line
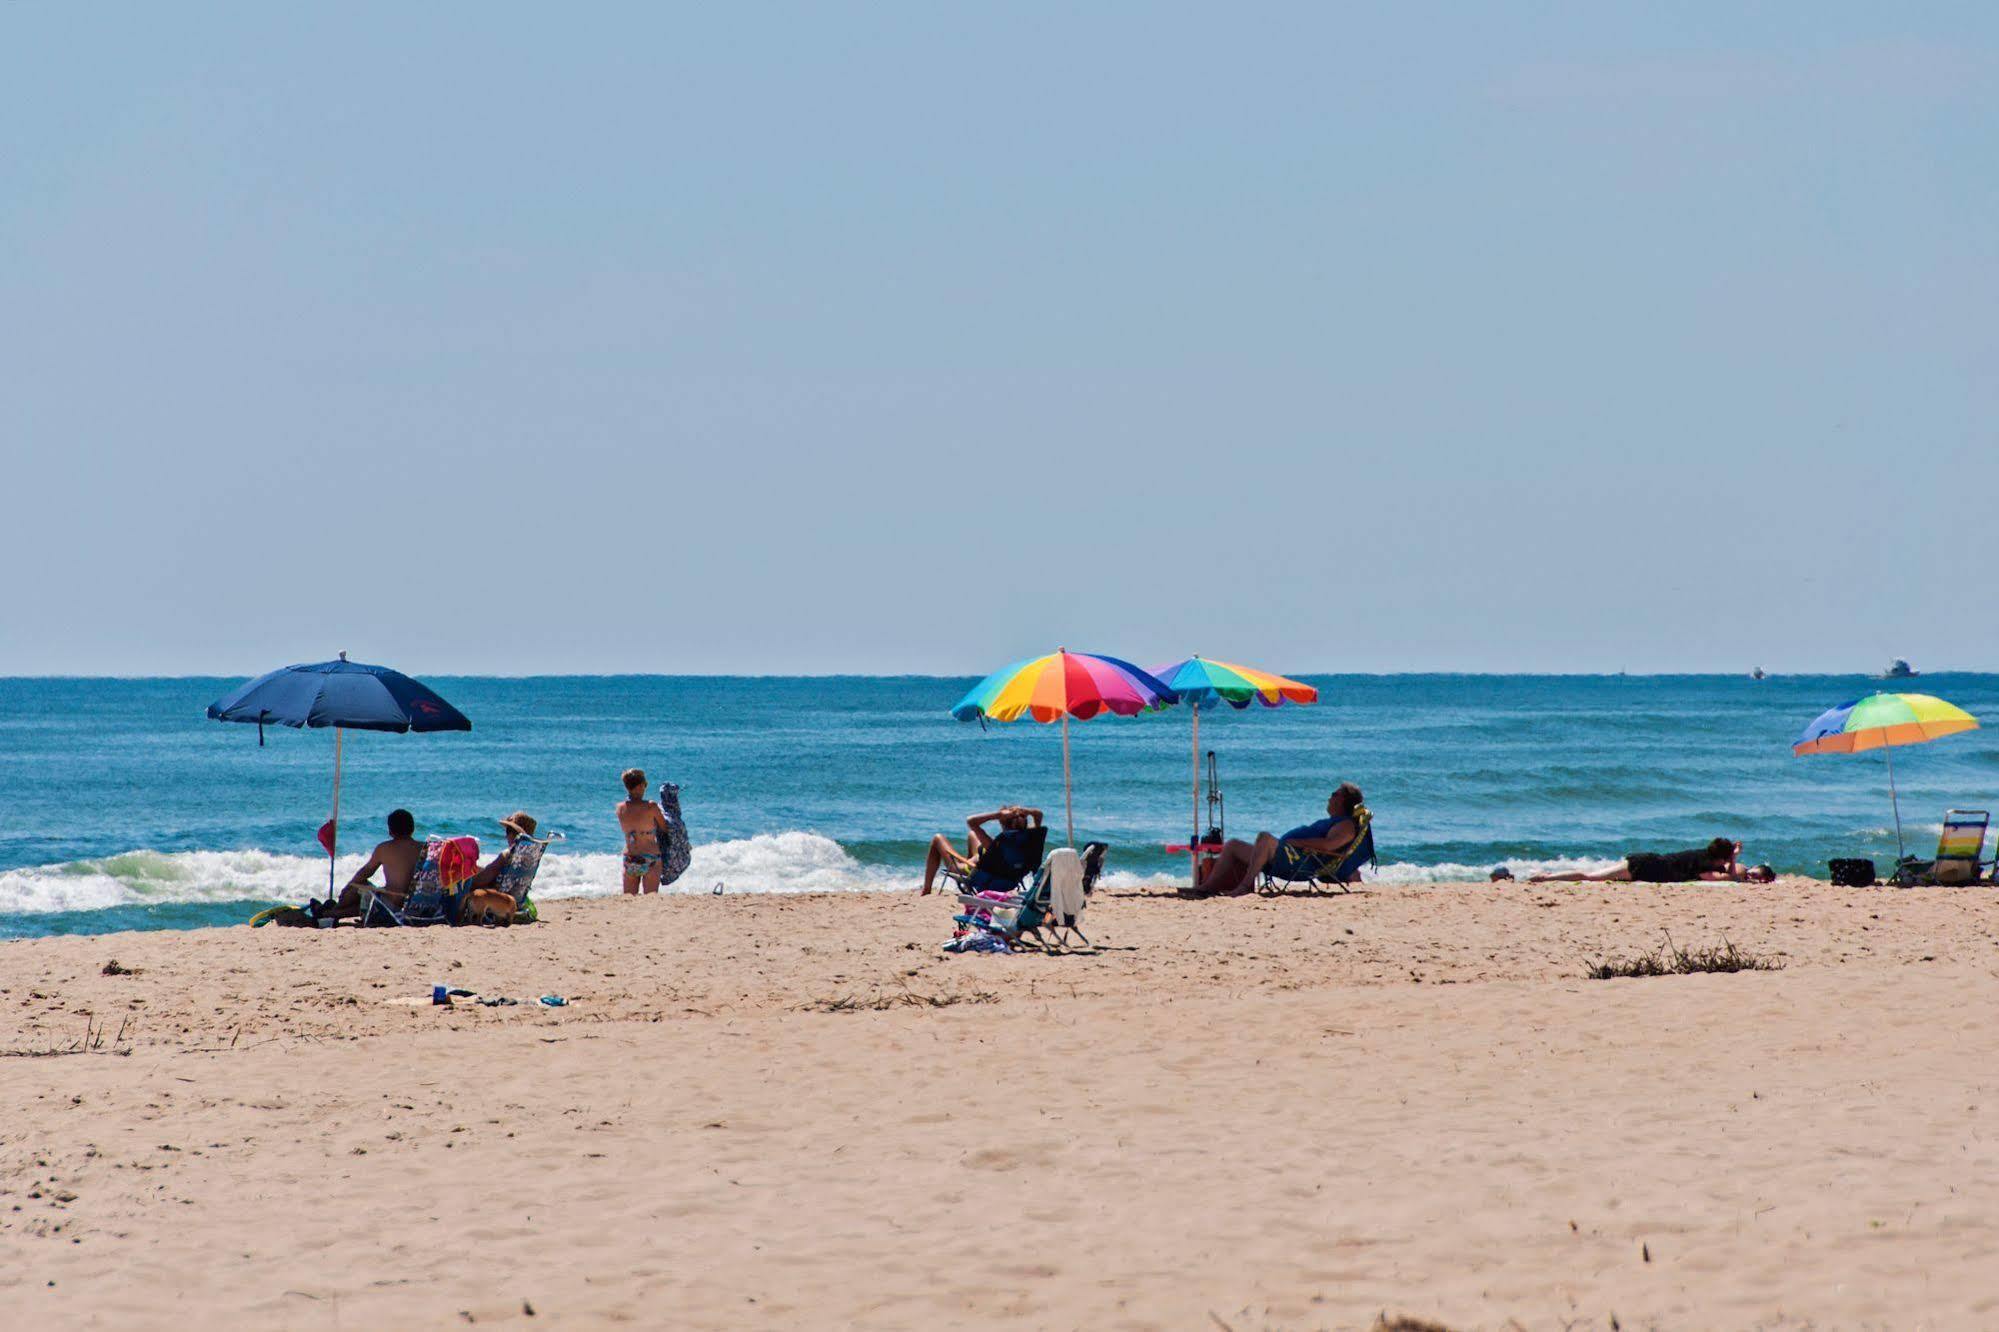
123 807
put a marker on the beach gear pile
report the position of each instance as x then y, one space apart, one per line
1044 913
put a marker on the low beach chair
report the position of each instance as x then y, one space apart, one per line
516 879
1054 901
1960 852
1005 863
1341 872
447 862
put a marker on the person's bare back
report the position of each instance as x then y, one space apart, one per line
641 820
398 858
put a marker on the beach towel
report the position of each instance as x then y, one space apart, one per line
675 850
1065 885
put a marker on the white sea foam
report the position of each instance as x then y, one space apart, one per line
1522 869
786 862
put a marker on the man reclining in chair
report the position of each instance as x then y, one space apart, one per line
942 853
1301 854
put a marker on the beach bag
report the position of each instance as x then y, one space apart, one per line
1852 873
675 851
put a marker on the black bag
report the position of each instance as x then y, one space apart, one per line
1853 873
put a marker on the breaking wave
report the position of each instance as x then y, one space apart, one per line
787 862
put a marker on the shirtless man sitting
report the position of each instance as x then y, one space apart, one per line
397 860
644 825
942 853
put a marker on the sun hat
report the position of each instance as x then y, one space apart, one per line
520 821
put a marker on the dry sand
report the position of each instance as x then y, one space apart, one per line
796 1112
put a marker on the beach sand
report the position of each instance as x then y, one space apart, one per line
796 1112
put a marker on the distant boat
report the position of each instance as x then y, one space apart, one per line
1757 674
1899 670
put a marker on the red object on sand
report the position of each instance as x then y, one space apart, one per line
326 830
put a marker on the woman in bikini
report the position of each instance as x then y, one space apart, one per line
644 824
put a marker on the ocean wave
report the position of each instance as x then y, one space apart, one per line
1457 873
787 862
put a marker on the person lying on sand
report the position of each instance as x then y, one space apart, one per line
518 824
1714 863
942 853
645 828
397 860
1302 853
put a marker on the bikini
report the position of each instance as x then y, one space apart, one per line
638 862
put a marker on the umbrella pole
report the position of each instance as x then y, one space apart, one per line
1895 801
1068 800
1194 847
332 852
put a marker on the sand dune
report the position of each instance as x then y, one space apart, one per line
796 1112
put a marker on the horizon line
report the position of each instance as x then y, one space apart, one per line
937 675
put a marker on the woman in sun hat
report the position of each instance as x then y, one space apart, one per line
518 824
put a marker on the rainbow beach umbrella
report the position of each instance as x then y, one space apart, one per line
1203 683
1883 721
1062 685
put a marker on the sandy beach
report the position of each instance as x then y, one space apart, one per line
795 1111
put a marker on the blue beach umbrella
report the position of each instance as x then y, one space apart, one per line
346 695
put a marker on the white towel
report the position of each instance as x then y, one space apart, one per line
1065 885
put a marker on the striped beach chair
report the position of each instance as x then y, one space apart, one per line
1960 852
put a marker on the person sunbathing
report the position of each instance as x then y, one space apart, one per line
1717 862
1009 818
1303 853
396 860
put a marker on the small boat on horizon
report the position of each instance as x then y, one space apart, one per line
1899 670
1757 674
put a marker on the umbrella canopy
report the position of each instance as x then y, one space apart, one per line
1882 721
1059 686
346 695
341 693
1063 684
1202 683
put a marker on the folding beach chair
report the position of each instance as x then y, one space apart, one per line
1340 872
425 903
1960 852
515 879
1005 863
1054 901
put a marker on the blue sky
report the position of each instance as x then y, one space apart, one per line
900 337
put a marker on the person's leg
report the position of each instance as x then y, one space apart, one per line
1225 875
652 875
1259 856
942 853
1622 874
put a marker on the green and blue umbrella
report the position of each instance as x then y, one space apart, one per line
1204 683
1883 721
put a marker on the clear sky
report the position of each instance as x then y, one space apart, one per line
901 337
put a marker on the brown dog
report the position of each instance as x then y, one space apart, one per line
487 906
